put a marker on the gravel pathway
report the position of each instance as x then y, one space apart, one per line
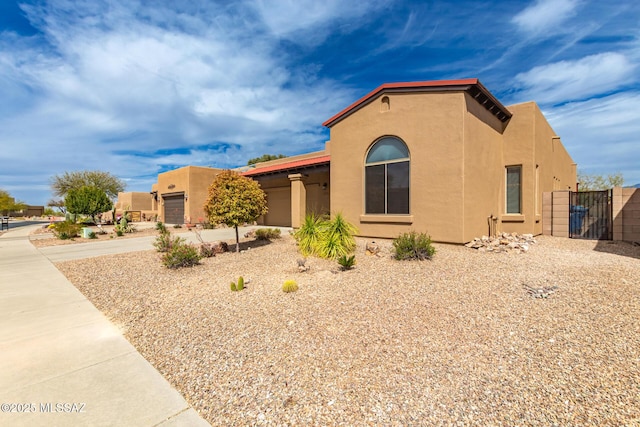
459 340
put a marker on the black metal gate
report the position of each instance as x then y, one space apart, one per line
590 215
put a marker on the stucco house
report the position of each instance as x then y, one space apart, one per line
444 157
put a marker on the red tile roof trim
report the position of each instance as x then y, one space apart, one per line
289 165
462 84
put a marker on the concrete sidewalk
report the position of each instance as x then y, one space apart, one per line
62 363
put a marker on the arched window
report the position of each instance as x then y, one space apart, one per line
387 177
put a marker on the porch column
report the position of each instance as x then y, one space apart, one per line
298 199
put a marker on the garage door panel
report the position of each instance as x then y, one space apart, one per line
174 209
279 203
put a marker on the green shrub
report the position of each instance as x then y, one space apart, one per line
164 242
124 227
326 238
413 246
309 234
289 286
66 230
92 235
206 250
161 227
181 255
233 287
267 233
347 262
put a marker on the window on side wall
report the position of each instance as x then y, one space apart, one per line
387 177
514 189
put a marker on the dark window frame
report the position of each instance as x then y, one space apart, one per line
372 203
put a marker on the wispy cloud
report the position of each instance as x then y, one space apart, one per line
565 81
601 134
544 15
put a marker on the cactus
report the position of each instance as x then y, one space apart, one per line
238 286
289 286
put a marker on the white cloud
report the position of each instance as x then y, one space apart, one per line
545 15
602 134
118 78
309 21
574 80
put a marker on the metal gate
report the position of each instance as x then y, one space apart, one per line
590 215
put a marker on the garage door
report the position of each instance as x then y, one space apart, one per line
279 203
174 209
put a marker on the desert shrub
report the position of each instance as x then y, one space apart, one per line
161 227
326 238
181 254
309 234
413 246
289 286
347 262
66 230
267 233
207 250
177 226
164 242
124 227
92 235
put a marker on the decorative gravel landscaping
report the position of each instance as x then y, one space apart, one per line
550 336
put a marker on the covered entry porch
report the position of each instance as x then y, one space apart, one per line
294 188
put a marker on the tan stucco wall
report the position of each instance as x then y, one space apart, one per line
483 165
193 181
626 214
530 141
437 128
459 152
134 201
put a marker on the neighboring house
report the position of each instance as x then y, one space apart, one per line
444 157
179 195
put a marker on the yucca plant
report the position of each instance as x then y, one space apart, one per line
338 238
347 262
309 234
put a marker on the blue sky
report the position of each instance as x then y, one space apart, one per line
138 87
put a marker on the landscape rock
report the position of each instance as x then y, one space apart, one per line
503 242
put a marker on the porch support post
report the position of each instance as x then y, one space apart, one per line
298 199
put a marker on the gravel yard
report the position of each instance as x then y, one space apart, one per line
457 340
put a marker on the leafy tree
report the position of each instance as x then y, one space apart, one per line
589 182
8 204
265 158
234 200
110 184
87 201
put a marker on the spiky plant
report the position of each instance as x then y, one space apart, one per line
309 234
289 286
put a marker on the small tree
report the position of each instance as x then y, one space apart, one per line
234 200
589 182
265 158
87 201
105 181
8 204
